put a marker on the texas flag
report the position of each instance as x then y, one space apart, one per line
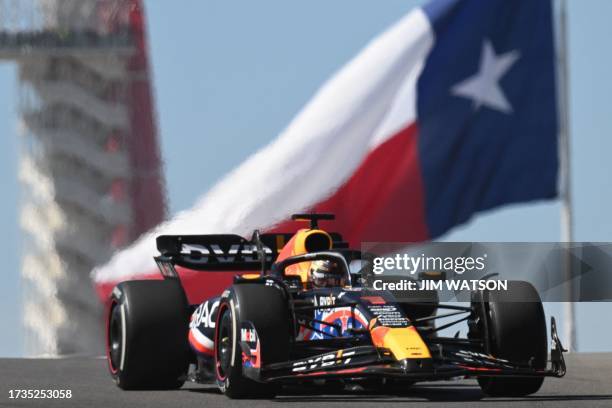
450 112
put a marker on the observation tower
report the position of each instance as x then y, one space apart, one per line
89 160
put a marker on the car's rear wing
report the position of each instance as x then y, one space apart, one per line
223 252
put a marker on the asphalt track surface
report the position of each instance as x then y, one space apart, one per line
587 384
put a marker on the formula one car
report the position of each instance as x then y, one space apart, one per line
309 317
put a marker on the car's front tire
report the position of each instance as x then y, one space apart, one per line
266 309
517 333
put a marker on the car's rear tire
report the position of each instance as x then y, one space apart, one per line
146 336
517 332
265 307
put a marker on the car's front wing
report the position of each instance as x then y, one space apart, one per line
447 362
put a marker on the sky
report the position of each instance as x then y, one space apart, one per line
230 75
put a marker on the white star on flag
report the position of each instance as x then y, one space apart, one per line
483 87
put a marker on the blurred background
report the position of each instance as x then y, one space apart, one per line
116 117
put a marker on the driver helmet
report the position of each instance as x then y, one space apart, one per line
324 273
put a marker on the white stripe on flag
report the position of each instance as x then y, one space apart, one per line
365 103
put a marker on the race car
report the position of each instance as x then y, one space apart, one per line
300 311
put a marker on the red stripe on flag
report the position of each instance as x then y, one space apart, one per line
384 200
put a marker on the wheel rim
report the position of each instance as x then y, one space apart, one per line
224 345
114 338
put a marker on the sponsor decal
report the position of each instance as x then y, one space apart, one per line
326 360
325 300
389 315
204 315
235 253
250 346
248 334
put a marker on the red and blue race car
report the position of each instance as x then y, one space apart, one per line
300 311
